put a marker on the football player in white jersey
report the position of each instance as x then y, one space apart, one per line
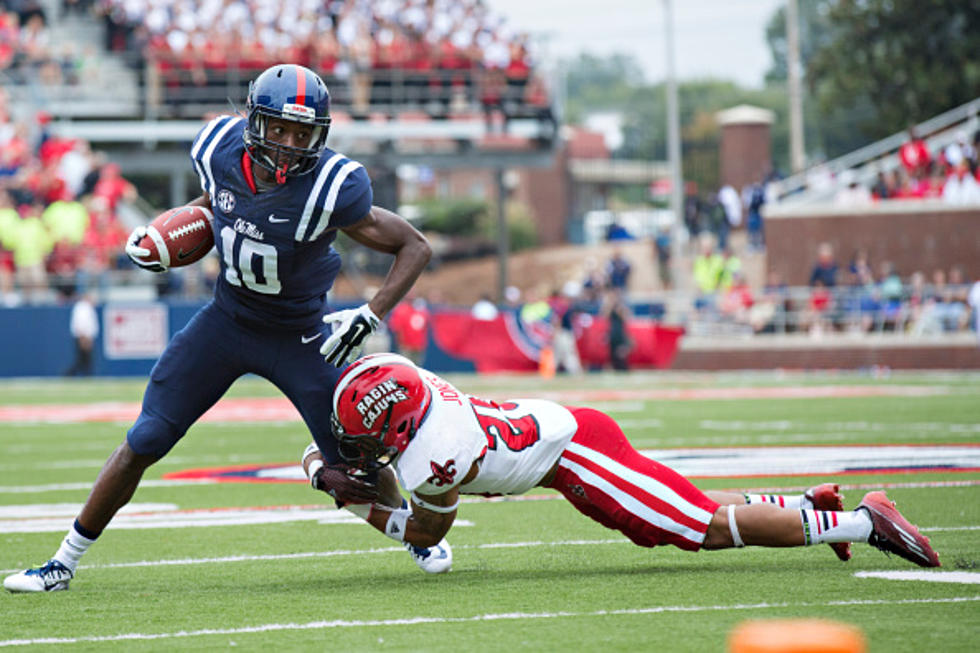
442 443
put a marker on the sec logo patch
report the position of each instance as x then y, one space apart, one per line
225 200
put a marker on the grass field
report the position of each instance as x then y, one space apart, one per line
529 575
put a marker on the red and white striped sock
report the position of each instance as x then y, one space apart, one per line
829 526
781 500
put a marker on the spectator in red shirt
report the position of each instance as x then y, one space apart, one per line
112 187
409 322
737 300
104 240
915 156
818 309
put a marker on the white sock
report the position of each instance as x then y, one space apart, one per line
782 500
73 547
831 526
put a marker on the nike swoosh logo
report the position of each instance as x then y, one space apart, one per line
308 339
181 254
357 334
273 218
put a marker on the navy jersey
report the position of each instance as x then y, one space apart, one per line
277 262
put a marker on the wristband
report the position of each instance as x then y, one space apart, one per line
397 521
428 506
315 466
311 448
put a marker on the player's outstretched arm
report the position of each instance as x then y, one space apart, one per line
385 231
388 232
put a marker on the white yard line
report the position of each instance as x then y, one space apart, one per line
329 554
374 551
97 463
507 616
50 518
965 577
86 486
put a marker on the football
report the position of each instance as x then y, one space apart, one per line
180 236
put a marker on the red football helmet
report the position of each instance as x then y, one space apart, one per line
378 404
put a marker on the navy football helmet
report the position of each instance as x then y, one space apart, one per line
294 93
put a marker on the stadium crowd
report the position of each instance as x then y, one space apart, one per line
445 58
950 174
412 51
29 55
59 224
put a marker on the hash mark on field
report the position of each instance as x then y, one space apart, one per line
507 616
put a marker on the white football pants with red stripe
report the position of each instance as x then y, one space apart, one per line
607 479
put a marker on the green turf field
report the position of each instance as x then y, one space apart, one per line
528 575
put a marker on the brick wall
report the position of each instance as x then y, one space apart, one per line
914 235
546 192
744 154
855 355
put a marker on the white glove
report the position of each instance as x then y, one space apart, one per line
350 329
136 253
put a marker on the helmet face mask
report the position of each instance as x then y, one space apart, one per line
365 452
291 93
378 405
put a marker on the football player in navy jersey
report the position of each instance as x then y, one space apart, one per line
278 196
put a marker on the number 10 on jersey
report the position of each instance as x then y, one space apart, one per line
240 265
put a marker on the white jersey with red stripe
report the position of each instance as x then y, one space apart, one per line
515 443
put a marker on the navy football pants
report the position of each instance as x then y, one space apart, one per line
204 359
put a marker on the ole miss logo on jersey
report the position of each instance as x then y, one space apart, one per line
442 474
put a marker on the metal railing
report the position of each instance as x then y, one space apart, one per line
855 310
147 89
173 91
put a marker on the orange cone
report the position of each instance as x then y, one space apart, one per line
546 363
796 636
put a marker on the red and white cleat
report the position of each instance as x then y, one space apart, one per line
892 533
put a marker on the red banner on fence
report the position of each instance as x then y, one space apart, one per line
506 344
